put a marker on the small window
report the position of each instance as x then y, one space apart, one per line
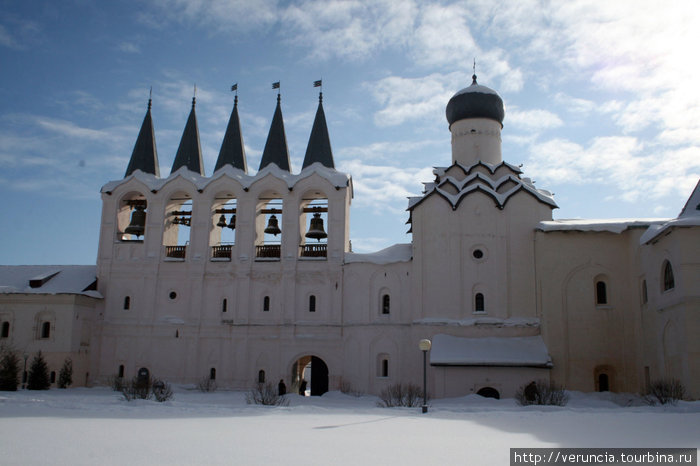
386 304
120 373
266 303
224 305
261 376
479 303
46 330
385 368
5 330
172 295
212 373
601 293
127 302
53 376
669 282
478 254
603 383
312 303
645 295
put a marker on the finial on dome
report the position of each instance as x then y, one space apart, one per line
194 95
234 88
474 73
150 97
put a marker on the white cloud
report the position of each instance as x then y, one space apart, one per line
533 120
221 15
129 47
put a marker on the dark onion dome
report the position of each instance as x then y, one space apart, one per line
475 101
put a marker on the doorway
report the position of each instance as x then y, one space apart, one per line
310 373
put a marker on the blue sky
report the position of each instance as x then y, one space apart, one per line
602 100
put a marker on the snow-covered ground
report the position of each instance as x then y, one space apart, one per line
97 426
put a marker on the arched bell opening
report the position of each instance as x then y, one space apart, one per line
222 236
309 376
268 226
313 223
177 225
131 217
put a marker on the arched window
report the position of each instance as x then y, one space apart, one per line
603 383
266 303
261 376
5 330
383 365
224 305
669 282
120 373
645 295
127 302
53 377
601 292
386 304
212 373
479 303
46 330
385 368
312 303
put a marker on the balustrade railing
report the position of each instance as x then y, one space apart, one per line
313 250
268 251
222 251
175 252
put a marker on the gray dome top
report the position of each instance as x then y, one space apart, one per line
475 101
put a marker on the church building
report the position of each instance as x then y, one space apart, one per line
246 278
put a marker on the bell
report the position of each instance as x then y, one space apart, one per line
222 221
138 222
232 223
272 226
316 230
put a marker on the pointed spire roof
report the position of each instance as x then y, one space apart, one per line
189 154
319 147
145 156
232 149
276 145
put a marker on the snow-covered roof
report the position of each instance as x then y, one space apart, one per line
501 189
448 350
689 217
336 178
402 252
612 225
48 279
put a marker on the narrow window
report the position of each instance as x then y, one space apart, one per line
46 330
645 296
127 302
601 293
386 304
53 376
479 302
266 303
121 371
385 368
5 330
212 373
312 303
603 383
261 376
669 282
224 305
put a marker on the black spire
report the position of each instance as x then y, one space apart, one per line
145 156
276 145
189 154
319 147
232 149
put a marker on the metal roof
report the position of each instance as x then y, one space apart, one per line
276 145
319 147
189 153
232 148
145 156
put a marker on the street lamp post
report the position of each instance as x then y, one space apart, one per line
424 346
24 374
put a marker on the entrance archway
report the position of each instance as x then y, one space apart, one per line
489 392
314 371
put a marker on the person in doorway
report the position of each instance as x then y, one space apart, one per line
281 388
302 387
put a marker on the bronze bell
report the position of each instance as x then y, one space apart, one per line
138 222
316 230
272 226
232 223
222 221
